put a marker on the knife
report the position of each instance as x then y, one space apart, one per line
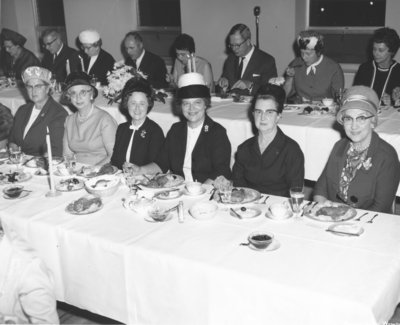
212 194
343 232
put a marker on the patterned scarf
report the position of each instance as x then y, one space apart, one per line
354 161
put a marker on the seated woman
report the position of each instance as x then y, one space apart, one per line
362 170
6 122
382 73
139 140
184 48
89 132
269 162
197 147
32 120
312 76
27 290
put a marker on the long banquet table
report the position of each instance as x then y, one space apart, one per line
316 135
116 264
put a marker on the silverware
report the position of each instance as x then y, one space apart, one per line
237 215
359 218
173 208
212 194
372 219
342 232
244 244
265 200
304 207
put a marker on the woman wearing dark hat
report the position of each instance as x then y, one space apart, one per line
197 148
90 132
362 170
139 140
32 120
6 123
185 49
313 76
17 58
382 73
270 162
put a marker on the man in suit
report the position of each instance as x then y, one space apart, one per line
96 62
149 63
246 67
60 59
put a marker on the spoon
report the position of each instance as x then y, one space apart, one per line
363 215
244 244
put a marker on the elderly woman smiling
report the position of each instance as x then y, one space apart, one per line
362 170
197 147
90 132
139 140
270 162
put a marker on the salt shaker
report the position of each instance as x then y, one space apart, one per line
181 216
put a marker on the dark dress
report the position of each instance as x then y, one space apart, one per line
52 116
146 144
375 188
274 171
26 59
153 67
58 66
210 157
104 63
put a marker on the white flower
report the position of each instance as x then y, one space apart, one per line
278 81
367 164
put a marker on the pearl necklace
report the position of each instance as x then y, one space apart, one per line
360 148
84 118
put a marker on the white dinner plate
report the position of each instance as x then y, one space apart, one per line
248 213
346 229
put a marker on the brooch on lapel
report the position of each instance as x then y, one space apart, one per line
206 128
367 164
143 134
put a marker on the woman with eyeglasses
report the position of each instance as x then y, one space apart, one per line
185 50
270 162
362 170
89 132
196 148
32 119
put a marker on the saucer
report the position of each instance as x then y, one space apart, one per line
22 195
269 215
203 190
271 247
249 213
149 219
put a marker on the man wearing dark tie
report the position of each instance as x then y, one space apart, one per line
150 64
60 59
246 67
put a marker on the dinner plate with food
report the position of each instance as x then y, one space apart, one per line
70 184
85 205
162 181
237 195
335 213
42 162
93 171
14 177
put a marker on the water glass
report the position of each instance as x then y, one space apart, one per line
70 162
16 156
296 198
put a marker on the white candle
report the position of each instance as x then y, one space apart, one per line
50 159
194 63
82 65
67 67
189 63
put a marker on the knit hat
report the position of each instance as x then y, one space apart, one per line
35 72
89 36
359 97
192 85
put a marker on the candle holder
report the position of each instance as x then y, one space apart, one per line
53 193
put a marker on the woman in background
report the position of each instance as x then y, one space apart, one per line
89 132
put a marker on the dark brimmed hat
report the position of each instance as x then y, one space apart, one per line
192 85
6 122
359 97
79 78
137 85
10 35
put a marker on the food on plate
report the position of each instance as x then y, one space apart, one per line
13 177
85 205
237 195
335 212
42 162
70 184
106 169
222 184
165 180
315 110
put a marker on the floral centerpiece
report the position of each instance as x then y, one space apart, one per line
117 79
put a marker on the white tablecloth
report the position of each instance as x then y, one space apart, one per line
116 264
316 135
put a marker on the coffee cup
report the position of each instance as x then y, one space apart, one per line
194 188
260 239
13 191
279 210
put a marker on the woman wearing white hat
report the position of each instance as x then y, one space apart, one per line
197 147
362 170
32 119
312 76
95 61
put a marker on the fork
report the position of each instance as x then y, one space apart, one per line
372 219
359 218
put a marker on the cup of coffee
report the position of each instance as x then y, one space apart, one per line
13 191
194 188
260 239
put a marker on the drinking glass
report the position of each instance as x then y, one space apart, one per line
16 156
130 179
296 198
70 162
12 80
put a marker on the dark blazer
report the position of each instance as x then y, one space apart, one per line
274 171
58 67
373 189
104 63
210 157
154 67
259 70
26 59
146 143
52 116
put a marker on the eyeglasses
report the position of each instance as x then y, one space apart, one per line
35 87
80 94
182 55
361 120
198 104
268 113
87 48
236 46
49 43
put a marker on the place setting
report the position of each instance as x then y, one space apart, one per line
13 192
262 241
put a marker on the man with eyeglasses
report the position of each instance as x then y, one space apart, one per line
95 61
60 59
246 67
15 57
